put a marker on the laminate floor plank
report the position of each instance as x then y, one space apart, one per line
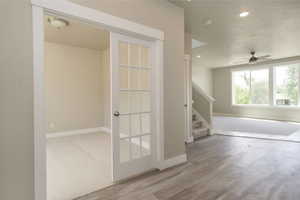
219 168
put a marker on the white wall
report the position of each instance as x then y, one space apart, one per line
188 43
74 87
16 101
202 76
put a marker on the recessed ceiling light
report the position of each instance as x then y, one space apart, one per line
58 22
198 56
244 14
188 0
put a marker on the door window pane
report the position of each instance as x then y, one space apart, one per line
124 126
123 53
124 102
145 61
145 83
135 102
134 55
145 102
124 78
146 145
124 150
135 125
145 123
287 85
134 79
136 147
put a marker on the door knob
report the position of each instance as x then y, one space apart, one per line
116 113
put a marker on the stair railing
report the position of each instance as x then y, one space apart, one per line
203 104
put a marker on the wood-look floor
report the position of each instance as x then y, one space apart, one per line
220 168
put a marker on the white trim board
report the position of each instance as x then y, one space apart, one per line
90 15
253 117
172 162
77 132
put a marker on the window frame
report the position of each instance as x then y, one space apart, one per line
272 85
250 69
275 85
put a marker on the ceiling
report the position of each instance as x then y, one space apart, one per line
77 34
273 27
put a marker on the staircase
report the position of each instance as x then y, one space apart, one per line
200 127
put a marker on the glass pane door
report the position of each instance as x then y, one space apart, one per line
133 110
135 101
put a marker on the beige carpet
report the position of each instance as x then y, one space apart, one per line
78 165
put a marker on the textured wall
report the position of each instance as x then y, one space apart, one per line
16 101
202 76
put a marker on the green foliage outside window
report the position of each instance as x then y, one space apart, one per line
289 89
254 90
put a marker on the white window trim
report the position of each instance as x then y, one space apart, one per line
272 81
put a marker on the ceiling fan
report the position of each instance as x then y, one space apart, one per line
253 59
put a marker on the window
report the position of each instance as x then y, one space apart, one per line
241 87
273 85
251 87
286 79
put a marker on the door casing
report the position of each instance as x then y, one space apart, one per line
188 99
103 20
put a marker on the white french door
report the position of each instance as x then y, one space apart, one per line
188 99
132 106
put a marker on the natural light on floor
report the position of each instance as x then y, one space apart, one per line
257 128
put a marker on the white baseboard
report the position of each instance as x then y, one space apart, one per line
78 132
189 140
253 117
172 162
106 129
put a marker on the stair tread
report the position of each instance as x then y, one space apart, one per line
201 129
199 134
198 125
197 121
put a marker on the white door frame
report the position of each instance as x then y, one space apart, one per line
188 98
110 23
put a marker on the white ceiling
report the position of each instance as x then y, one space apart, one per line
77 34
273 27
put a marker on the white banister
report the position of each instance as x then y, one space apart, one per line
203 105
203 93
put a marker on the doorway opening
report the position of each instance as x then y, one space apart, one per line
133 122
77 107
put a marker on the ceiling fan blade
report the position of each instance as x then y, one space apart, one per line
264 57
263 60
240 62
